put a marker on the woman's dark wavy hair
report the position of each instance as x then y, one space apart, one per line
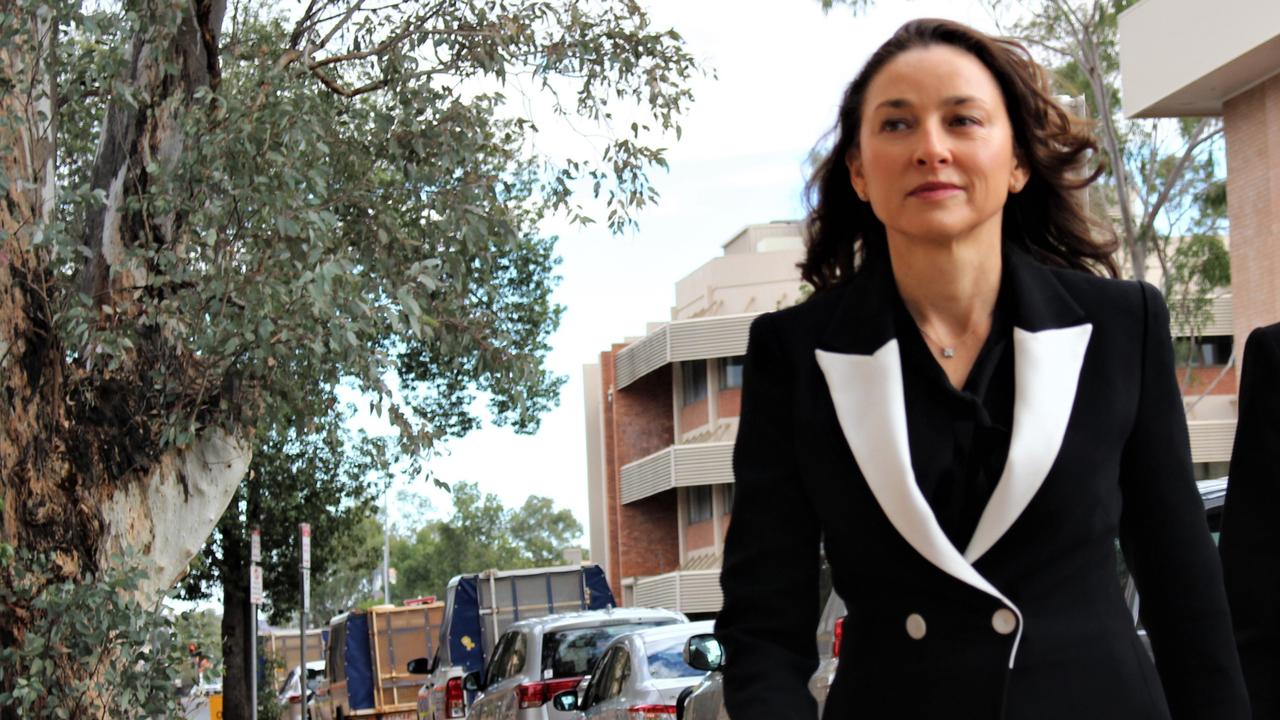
1045 219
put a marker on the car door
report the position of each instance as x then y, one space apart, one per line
607 701
497 699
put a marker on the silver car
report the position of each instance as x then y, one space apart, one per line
705 701
534 660
639 677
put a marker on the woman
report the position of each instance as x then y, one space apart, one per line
966 417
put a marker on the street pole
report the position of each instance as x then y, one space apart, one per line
386 547
255 599
304 545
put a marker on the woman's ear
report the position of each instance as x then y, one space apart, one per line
1020 175
856 178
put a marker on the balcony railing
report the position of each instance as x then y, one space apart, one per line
696 339
1211 440
689 591
677 466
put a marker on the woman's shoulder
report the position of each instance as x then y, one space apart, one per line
1099 295
807 318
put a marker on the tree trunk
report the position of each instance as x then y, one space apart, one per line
76 478
235 617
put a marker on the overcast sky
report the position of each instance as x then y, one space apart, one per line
781 66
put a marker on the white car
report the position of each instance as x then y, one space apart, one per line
640 676
290 697
534 660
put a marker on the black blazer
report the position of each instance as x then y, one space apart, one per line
1250 542
1029 620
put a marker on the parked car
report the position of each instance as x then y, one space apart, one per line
290 697
478 610
705 700
536 659
640 675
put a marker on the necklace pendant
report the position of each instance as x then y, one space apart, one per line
948 352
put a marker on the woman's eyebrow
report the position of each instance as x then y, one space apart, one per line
952 101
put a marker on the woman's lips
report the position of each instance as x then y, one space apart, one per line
934 191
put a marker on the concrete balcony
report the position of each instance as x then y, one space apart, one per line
696 339
676 466
688 591
1211 440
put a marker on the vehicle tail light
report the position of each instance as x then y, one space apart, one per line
838 636
295 700
454 704
537 694
651 712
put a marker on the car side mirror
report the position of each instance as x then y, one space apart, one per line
704 652
566 701
471 681
419 666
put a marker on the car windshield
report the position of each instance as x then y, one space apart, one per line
567 653
666 660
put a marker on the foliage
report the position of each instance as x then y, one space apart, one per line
268 706
348 581
342 193
203 629
90 649
480 534
1163 177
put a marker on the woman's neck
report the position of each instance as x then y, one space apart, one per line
950 288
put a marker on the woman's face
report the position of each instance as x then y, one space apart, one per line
935 153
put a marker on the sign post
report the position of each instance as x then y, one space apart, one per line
255 599
304 565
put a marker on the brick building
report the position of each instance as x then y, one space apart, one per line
662 413
1184 58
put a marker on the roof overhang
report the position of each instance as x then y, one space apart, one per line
1185 58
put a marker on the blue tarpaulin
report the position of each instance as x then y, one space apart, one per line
598 586
355 656
465 647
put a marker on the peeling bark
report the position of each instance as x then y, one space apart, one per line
82 473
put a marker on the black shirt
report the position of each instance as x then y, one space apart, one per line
959 437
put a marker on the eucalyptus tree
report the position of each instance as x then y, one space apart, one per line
212 218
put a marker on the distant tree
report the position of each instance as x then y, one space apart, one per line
480 534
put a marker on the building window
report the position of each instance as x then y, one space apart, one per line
730 372
1211 351
693 382
728 499
700 504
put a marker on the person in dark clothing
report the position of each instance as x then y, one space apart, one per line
1250 539
966 416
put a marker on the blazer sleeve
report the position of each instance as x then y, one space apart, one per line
770 575
1168 547
1250 542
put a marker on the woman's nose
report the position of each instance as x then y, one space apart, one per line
932 148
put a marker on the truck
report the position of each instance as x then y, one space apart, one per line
366 661
480 607
279 649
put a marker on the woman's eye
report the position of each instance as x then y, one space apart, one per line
893 124
964 120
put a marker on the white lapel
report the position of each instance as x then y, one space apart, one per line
867 393
1046 374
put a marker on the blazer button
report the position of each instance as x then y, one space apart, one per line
1004 621
915 626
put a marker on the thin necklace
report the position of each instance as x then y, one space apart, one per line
948 351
